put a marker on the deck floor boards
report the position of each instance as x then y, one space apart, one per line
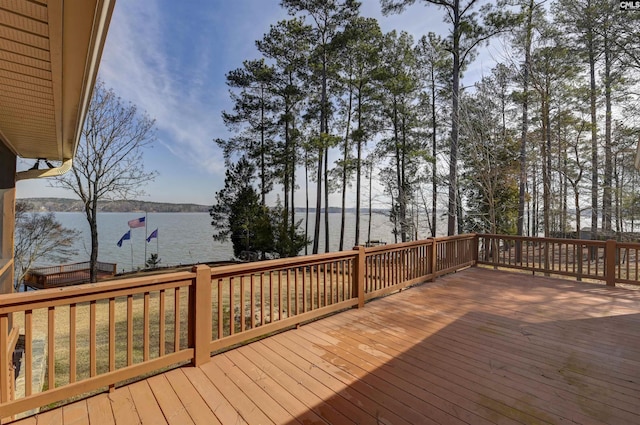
480 346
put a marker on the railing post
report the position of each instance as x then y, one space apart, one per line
4 367
475 246
200 313
580 255
546 258
434 258
359 275
610 262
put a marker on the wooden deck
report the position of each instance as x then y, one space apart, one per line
476 347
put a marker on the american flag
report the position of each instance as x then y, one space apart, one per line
138 222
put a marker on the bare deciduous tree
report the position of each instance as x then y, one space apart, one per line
39 237
109 161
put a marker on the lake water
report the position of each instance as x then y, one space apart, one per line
186 238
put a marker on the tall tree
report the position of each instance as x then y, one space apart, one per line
252 119
238 214
465 35
109 161
577 152
532 14
287 44
550 72
405 148
359 45
435 63
613 78
579 20
489 152
328 18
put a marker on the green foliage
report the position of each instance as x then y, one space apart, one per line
237 182
249 224
153 261
288 241
238 215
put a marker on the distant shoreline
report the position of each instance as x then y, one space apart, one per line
75 205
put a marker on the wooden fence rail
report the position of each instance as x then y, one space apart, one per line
98 335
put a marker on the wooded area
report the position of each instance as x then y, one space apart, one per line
541 145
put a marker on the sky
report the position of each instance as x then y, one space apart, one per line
170 58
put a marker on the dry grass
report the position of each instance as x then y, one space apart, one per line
274 297
62 320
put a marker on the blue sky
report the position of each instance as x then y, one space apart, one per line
170 59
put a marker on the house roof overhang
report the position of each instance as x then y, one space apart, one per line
49 56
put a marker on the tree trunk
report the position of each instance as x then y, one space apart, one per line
594 137
263 167
453 154
434 152
524 128
91 213
608 171
546 166
370 201
287 165
358 167
326 200
321 148
345 158
294 158
306 214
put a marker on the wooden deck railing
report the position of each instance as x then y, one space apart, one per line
609 261
65 274
96 336
389 268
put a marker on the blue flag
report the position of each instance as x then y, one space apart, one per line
124 237
153 234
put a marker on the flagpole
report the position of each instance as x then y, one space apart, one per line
146 235
131 245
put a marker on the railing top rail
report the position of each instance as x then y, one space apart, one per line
44 270
279 263
628 244
455 237
396 246
540 239
37 269
26 300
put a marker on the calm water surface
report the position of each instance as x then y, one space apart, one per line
186 238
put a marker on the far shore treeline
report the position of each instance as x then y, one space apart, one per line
75 205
